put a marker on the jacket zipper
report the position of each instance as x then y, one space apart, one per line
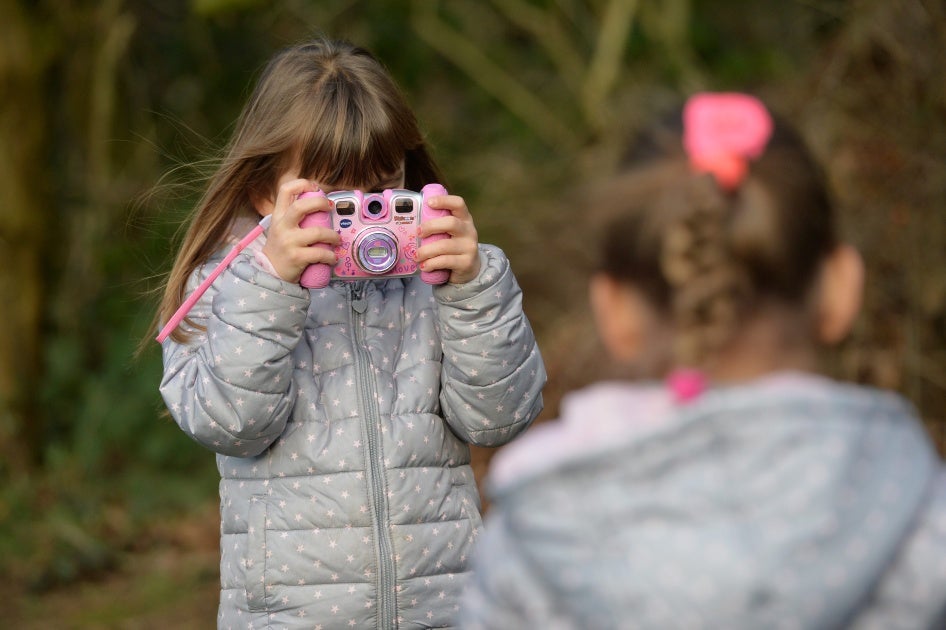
377 486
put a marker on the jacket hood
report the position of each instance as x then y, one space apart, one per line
784 499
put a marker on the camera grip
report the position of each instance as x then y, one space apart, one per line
317 275
440 276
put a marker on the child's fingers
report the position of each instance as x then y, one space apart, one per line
443 225
287 193
311 255
452 203
458 255
459 223
445 247
450 262
463 266
290 208
289 245
291 254
314 235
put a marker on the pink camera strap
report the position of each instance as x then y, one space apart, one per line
191 300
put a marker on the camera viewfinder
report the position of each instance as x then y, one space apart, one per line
375 207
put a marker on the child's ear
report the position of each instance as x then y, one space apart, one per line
620 316
840 293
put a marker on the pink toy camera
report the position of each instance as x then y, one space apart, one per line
378 235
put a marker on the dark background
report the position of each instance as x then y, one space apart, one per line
109 112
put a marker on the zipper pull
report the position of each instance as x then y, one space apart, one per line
358 302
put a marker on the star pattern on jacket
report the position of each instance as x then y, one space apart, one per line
341 418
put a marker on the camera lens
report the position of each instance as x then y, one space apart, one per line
376 250
375 207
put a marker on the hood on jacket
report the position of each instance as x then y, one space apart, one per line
775 504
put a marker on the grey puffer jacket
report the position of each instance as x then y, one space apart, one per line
341 420
788 502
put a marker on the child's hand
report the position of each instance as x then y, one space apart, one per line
458 254
288 245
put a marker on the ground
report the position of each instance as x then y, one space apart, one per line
172 583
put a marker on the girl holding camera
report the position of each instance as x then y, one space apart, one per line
342 416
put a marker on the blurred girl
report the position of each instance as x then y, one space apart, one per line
735 488
341 417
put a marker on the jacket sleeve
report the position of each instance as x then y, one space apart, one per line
230 387
493 373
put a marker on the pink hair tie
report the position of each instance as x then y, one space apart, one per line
722 131
686 384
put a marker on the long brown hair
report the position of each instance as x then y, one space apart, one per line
329 107
708 258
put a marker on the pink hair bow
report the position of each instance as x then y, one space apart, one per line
686 384
722 131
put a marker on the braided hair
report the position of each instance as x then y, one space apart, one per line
709 252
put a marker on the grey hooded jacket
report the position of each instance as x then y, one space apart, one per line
789 503
341 420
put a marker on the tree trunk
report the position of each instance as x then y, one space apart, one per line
24 212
